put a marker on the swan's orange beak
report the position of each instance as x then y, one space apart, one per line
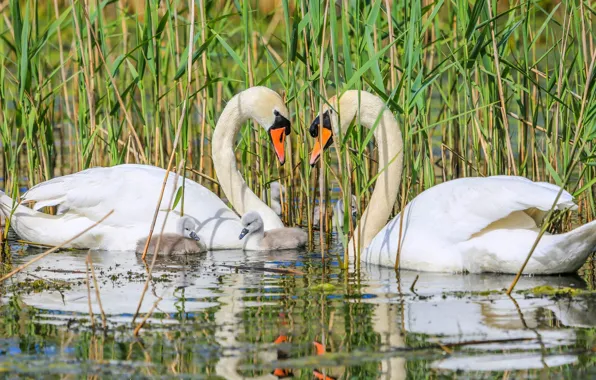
278 138
320 144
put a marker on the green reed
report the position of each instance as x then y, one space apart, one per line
479 88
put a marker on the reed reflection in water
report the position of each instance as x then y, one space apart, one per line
272 318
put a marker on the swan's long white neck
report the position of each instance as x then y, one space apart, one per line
390 147
243 199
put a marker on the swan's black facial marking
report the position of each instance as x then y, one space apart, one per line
281 122
314 126
277 132
325 140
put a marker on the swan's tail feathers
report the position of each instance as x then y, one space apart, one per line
565 253
545 199
565 201
7 205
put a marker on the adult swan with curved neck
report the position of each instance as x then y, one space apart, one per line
468 224
132 191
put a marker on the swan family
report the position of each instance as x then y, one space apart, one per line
463 225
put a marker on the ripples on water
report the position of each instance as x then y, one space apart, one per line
216 321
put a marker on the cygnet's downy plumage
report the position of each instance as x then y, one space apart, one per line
338 213
280 238
185 241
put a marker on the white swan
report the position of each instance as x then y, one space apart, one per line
185 241
132 191
469 224
257 239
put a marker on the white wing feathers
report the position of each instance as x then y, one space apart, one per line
462 207
132 191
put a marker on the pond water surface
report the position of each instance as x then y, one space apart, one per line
269 315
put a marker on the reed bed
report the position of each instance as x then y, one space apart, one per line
479 88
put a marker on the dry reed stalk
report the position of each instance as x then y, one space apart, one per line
123 24
402 206
146 317
122 143
205 93
322 210
392 52
156 250
178 130
55 248
87 282
574 150
560 80
89 95
97 295
510 158
115 88
210 179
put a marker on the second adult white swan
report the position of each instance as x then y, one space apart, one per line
132 191
469 224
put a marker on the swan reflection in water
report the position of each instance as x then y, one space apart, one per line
276 315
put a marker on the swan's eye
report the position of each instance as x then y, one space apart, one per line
314 127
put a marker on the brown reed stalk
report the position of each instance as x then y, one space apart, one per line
131 127
322 208
156 250
576 147
97 295
178 129
510 158
88 283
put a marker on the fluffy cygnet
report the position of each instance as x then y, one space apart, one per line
257 239
185 241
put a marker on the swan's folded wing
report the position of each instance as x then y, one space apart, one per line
132 191
461 208
56 191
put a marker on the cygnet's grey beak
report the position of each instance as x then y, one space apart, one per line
193 235
243 233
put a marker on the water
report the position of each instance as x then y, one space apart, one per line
214 321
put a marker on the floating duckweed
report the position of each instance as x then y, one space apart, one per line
38 286
547 290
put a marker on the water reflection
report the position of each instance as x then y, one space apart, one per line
259 315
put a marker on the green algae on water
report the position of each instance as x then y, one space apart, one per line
547 290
